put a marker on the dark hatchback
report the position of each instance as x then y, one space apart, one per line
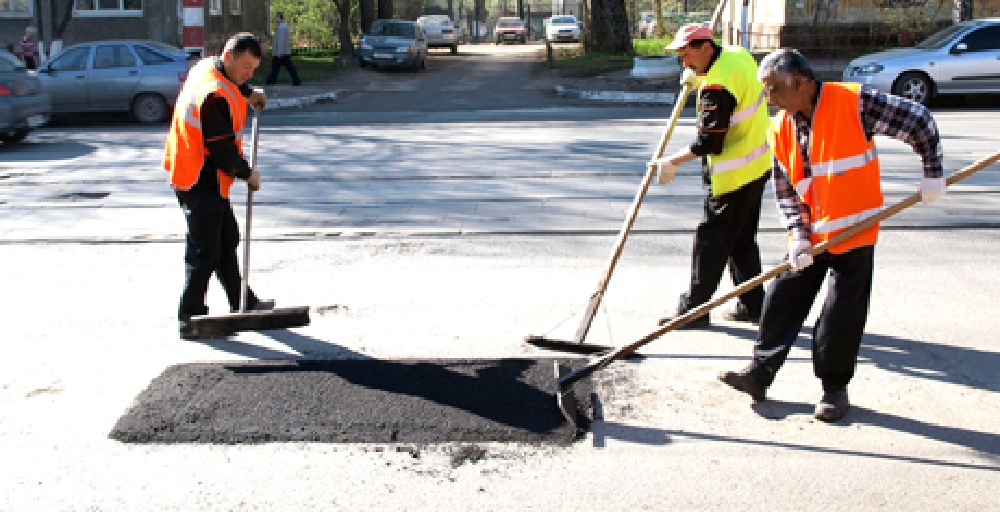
393 43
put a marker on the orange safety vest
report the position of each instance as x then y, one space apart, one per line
845 187
184 156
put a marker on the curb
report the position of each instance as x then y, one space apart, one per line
656 98
276 103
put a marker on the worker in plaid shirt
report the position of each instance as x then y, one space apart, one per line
827 179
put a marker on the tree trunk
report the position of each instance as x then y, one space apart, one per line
344 31
384 9
366 10
619 37
658 16
606 28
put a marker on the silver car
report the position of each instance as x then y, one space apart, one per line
961 59
141 77
439 31
24 104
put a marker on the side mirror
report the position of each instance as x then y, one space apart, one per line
959 48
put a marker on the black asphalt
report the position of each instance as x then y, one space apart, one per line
354 401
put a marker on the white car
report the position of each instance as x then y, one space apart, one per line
562 28
439 31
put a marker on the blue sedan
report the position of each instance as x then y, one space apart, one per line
24 104
141 77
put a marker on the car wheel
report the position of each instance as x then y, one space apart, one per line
14 136
149 108
914 86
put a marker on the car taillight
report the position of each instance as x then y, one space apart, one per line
182 77
5 91
446 31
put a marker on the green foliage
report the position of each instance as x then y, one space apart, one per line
593 64
650 46
312 22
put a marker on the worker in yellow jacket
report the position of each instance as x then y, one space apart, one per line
204 156
731 143
826 180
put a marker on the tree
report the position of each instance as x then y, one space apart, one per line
606 28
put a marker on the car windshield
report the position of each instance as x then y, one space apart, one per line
564 20
437 19
509 23
392 29
941 38
8 62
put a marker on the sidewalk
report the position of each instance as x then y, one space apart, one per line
615 87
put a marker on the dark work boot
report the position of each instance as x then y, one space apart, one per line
744 381
741 314
832 407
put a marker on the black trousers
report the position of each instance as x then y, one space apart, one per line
839 328
727 236
212 238
276 63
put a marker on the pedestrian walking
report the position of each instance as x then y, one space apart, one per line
281 52
204 155
827 179
27 48
731 142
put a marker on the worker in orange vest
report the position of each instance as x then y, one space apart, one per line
204 156
827 179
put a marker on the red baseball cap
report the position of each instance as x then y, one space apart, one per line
688 33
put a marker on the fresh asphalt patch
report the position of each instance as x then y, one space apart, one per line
355 401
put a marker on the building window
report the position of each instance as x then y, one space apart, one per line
215 7
108 8
235 6
15 8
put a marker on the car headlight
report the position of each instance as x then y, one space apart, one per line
868 69
364 45
405 49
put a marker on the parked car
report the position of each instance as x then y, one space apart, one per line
439 31
137 76
24 103
393 43
961 59
562 28
510 29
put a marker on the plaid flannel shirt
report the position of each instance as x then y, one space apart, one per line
881 114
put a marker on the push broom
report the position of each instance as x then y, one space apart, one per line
577 344
565 398
214 326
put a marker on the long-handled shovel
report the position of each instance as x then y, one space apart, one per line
577 343
213 326
566 377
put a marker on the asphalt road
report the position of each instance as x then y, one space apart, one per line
452 233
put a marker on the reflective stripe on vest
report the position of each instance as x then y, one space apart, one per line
746 155
185 153
845 187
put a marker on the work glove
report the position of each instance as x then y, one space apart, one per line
931 189
665 171
257 99
690 79
254 181
798 254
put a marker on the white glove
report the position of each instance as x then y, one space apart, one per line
798 254
690 79
665 171
931 189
